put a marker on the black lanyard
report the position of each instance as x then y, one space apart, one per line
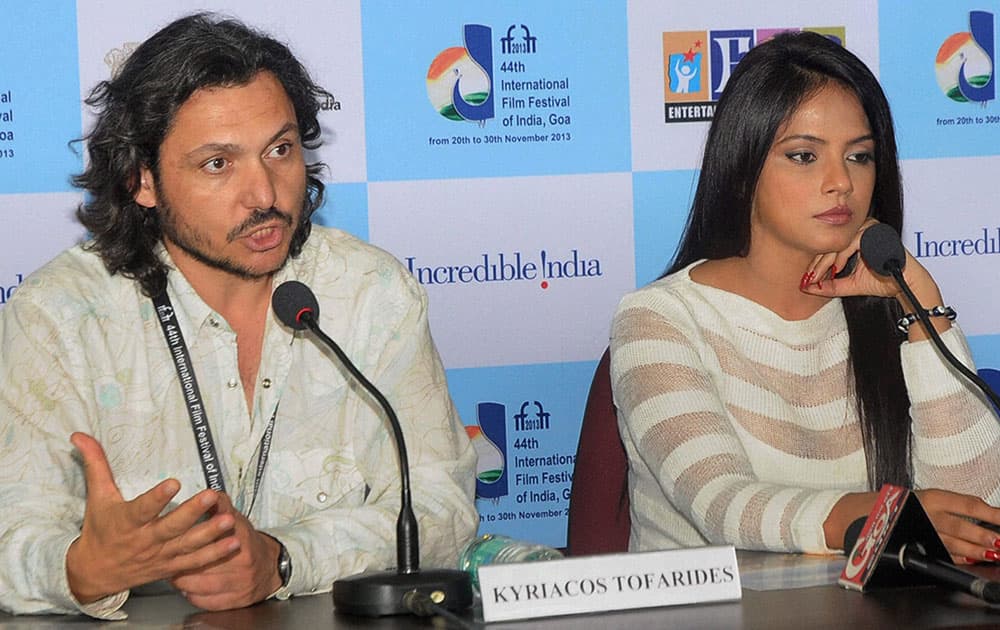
207 455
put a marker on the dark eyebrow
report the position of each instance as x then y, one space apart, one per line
226 147
814 139
289 126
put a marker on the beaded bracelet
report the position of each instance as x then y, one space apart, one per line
938 311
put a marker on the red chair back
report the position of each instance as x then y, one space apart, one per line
599 520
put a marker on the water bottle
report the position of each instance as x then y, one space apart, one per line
496 549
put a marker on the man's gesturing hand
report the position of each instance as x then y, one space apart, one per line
127 543
240 579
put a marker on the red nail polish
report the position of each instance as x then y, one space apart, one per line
833 271
804 281
807 280
819 283
971 560
991 555
996 543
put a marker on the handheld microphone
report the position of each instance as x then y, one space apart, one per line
883 252
911 557
379 593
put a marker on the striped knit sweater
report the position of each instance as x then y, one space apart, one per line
741 427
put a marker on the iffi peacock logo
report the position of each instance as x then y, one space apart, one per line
489 438
964 64
460 79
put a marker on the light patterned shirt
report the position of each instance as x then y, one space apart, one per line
83 351
741 428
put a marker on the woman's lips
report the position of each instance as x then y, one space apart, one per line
839 215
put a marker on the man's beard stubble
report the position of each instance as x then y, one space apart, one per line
190 242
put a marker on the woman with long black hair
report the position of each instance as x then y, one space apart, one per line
763 389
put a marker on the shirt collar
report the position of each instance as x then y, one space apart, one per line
194 310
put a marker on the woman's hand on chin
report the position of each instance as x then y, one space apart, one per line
844 273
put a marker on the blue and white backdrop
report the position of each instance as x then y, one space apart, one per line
530 162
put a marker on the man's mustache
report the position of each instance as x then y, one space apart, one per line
259 217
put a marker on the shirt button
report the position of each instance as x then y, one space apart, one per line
266 383
214 323
232 383
322 497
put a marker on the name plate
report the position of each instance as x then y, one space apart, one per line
618 581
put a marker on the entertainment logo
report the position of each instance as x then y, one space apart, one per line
964 63
697 65
460 79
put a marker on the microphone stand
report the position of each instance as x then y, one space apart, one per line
896 272
407 589
883 252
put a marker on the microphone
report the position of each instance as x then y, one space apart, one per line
295 305
379 593
883 252
912 557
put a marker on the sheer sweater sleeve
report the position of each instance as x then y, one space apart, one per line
692 479
956 435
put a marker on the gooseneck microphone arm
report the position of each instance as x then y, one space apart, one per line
296 307
407 534
378 593
921 313
884 254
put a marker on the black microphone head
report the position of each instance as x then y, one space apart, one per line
291 300
852 533
991 592
882 250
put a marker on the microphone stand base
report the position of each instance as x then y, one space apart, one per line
380 593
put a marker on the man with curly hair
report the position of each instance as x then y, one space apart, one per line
144 365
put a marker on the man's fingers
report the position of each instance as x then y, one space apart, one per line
203 557
148 505
205 533
202 583
97 472
224 505
214 592
185 516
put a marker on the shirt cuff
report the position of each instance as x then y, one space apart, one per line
108 608
281 594
809 532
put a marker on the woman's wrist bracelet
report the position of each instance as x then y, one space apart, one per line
938 311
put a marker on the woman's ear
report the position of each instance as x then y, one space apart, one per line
145 194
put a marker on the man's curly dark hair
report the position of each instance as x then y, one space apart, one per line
135 110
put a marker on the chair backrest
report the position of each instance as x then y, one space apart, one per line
599 520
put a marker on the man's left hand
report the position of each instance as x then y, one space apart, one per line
246 577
